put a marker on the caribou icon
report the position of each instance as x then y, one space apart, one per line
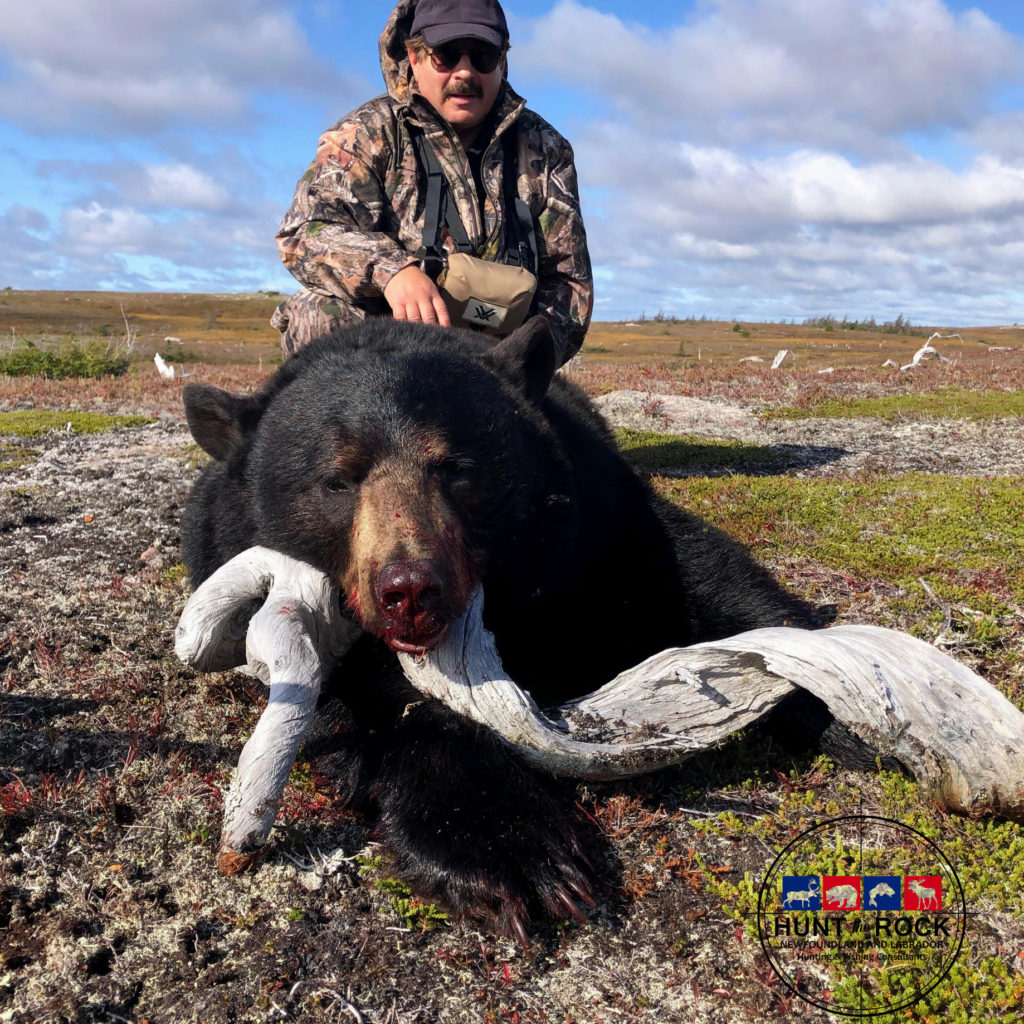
803 896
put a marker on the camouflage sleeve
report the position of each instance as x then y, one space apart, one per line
565 290
339 236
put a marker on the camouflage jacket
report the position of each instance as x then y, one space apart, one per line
357 215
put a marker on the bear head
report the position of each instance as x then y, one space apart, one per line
407 462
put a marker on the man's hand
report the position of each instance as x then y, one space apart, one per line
413 296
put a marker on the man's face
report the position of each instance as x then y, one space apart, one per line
456 89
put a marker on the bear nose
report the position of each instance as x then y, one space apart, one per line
409 588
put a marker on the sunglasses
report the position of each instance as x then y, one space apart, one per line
447 57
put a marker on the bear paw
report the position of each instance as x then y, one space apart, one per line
497 867
473 829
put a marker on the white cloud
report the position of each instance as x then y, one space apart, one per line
171 185
23 217
97 229
780 158
184 186
732 195
1001 135
96 245
25 256
124 66
196 240
851 73
707 229
758 158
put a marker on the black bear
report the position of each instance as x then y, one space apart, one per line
412 464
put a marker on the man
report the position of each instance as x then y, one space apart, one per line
354 235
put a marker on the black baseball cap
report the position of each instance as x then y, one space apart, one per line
440 21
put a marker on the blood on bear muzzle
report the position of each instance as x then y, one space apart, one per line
412 604
410 571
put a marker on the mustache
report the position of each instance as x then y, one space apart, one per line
460 87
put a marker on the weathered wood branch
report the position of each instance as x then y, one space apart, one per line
291 643
962 740
656 714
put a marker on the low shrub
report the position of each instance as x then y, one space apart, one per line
91 360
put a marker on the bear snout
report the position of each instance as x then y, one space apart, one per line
410 598
408 588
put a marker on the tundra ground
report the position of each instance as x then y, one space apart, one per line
115 757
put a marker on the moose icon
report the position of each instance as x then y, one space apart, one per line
929 897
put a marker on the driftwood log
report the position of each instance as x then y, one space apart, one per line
279 619
959 737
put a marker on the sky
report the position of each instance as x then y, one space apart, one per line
738 159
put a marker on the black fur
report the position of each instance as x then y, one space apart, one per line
585 572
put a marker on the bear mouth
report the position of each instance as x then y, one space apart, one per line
414 643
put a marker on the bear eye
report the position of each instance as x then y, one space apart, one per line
454 469
338 484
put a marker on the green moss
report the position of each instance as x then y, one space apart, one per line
24 491
302 777
989 860
947 403
393 887
368 865
652 451
175 573
417 915
14 456
932 554
36 422
988 854
194 456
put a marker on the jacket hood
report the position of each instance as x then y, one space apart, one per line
394 64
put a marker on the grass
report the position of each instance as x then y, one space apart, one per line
948 403
933 555
219 328
111 808
233 328
987 855
36 422
896 529
652 451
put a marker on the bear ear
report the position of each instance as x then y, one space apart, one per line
218 419
527 357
